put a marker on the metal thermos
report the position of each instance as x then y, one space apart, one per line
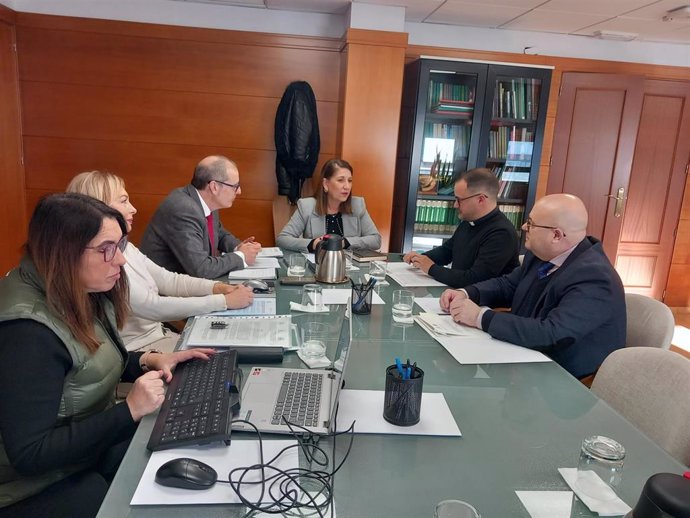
330 260
665 495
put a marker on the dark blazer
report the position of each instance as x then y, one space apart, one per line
577 320
177 238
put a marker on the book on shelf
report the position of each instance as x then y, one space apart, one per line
449 93
517 98
436 217
514 213
365 255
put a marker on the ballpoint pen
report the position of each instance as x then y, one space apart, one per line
398 364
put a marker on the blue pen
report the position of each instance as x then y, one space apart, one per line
398 364
408 373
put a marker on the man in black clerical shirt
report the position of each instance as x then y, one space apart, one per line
485 244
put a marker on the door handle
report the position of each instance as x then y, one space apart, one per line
620 200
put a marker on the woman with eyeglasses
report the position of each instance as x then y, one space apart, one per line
155 294
61 434
333 210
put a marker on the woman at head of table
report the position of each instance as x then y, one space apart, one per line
156 295
62 436
333 210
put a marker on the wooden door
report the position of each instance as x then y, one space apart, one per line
593 145
656 185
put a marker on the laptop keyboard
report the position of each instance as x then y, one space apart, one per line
299 399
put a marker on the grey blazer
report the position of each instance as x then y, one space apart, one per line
177 238
306 224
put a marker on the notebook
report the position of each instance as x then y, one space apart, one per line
365 255
264 388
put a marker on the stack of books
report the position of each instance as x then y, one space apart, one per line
365 256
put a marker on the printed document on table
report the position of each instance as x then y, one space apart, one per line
270 251
223 459
253 273
340 296
471 346
409 276
430 304
309 257
366 408
260 306
265 262
260 331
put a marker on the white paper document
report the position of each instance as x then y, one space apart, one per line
546 504
221 458
473 346
220 331
310 257
340 296
366 407
599 497
270 251
264 262
429 304
253 273
260 306
409 276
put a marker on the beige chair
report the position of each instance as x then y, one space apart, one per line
650 322
650 388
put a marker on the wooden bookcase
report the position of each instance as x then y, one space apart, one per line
457 116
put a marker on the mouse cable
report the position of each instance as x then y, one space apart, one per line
283 486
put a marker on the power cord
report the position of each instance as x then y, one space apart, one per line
283 487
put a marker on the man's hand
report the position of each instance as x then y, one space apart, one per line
241 297
250 249
464 311
448 296
422 262
409 256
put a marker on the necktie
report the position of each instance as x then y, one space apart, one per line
544 269
209 224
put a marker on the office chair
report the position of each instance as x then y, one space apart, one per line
650 322
650 387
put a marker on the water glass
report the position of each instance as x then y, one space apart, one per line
402 306
378 270
297 265
312 297
455 509
315 337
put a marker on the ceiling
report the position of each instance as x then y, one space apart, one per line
641 19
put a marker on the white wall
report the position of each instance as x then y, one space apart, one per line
364 16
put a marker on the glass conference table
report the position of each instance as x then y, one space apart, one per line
519 423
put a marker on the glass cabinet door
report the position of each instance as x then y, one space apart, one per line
448 145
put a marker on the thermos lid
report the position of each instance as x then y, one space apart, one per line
332 242
664 495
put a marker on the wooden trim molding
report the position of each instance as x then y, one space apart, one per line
7 15
375 38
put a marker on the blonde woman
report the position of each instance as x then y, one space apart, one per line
156 294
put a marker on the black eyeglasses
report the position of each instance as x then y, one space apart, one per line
530 224
108 250
460 200
233 185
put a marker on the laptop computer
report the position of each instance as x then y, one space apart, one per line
308 397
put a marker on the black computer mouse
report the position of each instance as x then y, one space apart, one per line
256 285
186 474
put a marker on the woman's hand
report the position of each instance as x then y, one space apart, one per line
241 297
147 394
221 288
166 362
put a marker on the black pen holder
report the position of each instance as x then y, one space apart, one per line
361 299
402 400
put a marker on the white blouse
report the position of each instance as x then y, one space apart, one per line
157 295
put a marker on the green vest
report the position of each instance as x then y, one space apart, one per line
89 386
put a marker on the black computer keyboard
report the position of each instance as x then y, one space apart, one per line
200 402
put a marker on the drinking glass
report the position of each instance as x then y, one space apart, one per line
312 297
455 509
378 270
603 457
297 265
402 305
315 336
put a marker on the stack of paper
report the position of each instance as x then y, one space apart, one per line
249 331
409 276
270 251
253 273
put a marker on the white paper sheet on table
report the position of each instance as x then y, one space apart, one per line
409 276
222 459
310 257
270 251
476 347
546 504
340 296
260 306
429 304
253 273
264 262
605 503
366 407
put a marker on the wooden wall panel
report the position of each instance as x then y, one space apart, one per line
148 102
12 215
